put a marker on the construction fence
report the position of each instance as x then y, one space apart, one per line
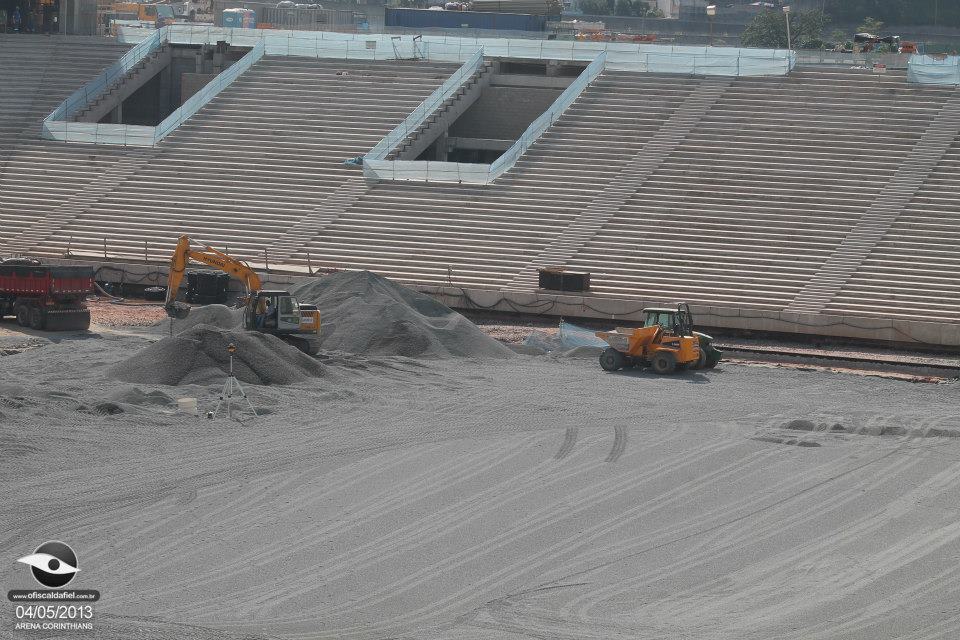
941 70
620 56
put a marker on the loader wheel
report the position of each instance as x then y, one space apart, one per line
664 363
611 359
713 358
36 318
701 361
23 316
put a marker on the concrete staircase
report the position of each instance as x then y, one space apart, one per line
125 86
759 195
313 224
630 178
482 236
51 232
743 211
266 153
877 221
37 73
438 121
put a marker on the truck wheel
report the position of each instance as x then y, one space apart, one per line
23 315
664 363
36 318
611 359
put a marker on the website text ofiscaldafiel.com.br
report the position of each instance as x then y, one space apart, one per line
23 595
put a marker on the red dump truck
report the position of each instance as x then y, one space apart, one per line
45 296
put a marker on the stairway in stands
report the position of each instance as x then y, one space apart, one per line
322 216
440 120
265 154
482 236
746 210
52 231
604 205
926 154
36 74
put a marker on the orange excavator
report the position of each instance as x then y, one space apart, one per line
268 311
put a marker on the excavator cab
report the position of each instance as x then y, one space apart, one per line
282 312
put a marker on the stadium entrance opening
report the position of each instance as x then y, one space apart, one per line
493 111
163 82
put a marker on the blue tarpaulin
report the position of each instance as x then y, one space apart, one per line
573 336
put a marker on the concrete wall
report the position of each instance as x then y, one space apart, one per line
190 83
503 112
145 106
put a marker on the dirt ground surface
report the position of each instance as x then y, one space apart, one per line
527 497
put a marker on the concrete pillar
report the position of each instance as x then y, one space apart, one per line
116 116
165 102
441 146
553 68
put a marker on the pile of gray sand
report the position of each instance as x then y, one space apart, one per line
364 313
199 356
215 315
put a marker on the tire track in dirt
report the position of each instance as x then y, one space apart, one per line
545 516
769 534
569 440
583 619
394 543
533 480
232 515
695 526
431 481
619 444
575 503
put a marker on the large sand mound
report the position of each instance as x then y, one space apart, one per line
362 312
199 355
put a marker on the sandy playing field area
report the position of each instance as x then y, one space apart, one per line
384 496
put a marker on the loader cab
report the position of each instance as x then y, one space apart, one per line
283 314
678 322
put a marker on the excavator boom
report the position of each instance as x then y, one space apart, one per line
295 323
182 256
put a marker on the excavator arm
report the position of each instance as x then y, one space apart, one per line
182 256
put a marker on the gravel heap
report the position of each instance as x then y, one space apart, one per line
199 356
214 315
362 312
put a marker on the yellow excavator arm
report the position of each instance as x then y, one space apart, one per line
182 256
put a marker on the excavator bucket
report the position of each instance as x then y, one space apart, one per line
67 320
177 310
